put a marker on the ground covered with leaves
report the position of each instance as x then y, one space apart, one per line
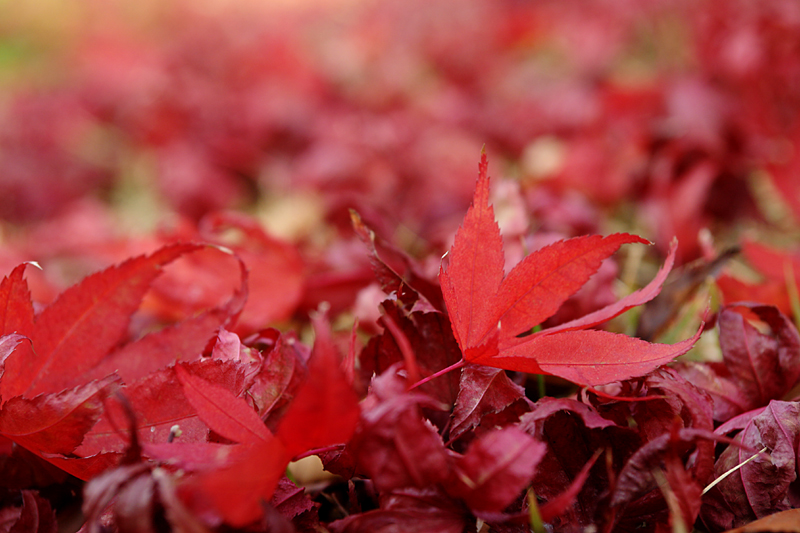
452 266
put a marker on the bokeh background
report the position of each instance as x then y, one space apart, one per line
259 125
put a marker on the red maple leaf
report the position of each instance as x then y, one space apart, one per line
489 311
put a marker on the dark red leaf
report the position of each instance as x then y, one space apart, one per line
485 391
574 433
765 484
557 505
761 360
393 443
290 500
390 280
683 494
636 477
764 365
653 403
496 469
37 515
713 378
429 335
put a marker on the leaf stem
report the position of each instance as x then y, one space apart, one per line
732 470
441 372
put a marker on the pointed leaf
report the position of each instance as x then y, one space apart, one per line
643 295
589 357
225 413
537 286
471 280
86 321
325 410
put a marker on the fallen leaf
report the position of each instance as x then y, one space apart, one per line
495 469
765 484
489 312
485 391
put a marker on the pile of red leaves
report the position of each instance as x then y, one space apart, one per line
238 220
192 427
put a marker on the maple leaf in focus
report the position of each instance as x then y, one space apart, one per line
489 311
